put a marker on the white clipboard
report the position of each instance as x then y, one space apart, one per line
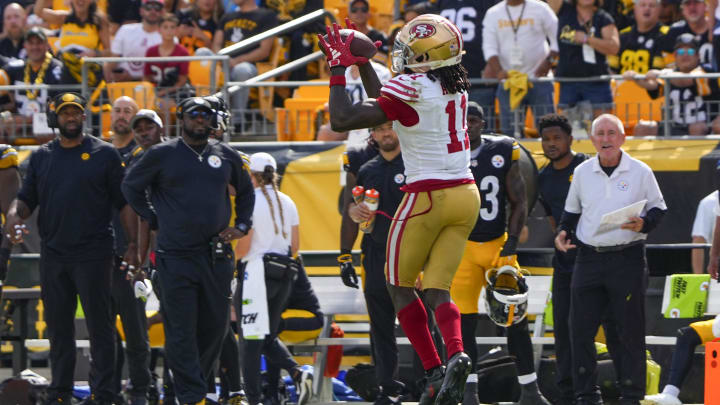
613 220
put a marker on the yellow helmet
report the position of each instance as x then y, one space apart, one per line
427 42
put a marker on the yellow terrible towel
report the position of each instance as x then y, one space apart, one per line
518 85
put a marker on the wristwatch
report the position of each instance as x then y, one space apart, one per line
243 227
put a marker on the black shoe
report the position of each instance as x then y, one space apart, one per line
433 382
391 394
470 397
530 395
453 386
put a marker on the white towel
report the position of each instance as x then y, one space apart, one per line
255 320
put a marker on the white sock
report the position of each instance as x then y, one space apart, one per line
212 397
472 378
527 378
671 390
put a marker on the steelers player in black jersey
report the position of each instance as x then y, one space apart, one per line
690 111
641 43
9 186
492 244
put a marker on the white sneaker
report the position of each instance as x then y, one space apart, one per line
661 399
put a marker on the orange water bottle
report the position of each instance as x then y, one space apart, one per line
372 198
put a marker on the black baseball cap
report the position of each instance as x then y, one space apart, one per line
36 32
67 99
475 109
196 103
686 40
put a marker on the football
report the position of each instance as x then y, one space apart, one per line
361 44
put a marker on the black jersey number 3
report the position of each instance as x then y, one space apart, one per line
463 18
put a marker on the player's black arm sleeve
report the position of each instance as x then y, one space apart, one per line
244 193
140 176
515 190
568 222
652 218
348 227
345 116
9 186
28 197
370 80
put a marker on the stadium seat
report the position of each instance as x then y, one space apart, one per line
199 76
141 91
265 94
632 103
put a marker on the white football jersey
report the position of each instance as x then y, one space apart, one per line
437 146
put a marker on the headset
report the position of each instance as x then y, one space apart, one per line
51 107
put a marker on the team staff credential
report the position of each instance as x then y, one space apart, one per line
188 179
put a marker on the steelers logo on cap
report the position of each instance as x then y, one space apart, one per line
68 97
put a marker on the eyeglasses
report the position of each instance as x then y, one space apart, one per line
199 113
683 51
153 7
359 9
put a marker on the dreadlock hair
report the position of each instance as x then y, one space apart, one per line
554 120
268 177
452 78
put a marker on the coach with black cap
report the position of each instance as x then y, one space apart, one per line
610 274
188 179
75 181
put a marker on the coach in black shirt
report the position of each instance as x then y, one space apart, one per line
75 181
188 179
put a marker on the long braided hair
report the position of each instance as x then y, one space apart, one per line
452 78
268 177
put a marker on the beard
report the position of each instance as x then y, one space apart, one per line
71 133
197 134
558 157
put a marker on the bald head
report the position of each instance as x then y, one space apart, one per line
14 20
123 110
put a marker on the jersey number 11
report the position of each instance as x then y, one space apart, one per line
456 145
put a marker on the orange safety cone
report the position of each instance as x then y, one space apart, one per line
712 372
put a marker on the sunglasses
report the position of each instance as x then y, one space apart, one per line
153 7
683 51
199 113
359 10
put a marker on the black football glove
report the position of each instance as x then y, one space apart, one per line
347 271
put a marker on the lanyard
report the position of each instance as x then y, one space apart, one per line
515 28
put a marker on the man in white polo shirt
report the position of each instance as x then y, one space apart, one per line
610 274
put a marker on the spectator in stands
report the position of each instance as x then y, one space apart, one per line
703 229
11 44
694 22
669 11
130 308
75 202
39 67
359 14
690 109
641 44
518 51
170 78
122 12
198 23
84 31
583 50
275 232
468 17
134 40
300 42
248 21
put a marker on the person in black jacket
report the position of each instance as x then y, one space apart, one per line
188 178
74 181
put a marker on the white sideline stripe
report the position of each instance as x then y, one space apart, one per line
489 340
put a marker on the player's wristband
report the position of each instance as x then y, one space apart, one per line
337 81
344 258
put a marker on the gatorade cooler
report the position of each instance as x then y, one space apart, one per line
712 372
